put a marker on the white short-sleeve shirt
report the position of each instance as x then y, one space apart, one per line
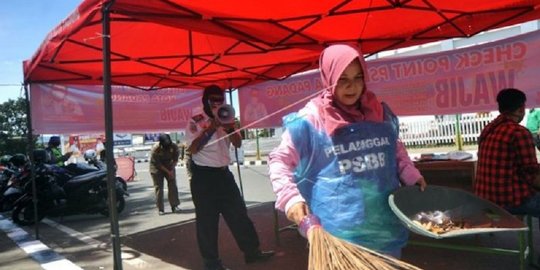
216 152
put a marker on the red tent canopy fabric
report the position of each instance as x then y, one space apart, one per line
182 43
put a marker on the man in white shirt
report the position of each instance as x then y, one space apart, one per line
213 188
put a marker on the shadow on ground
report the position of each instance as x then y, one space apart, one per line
176 244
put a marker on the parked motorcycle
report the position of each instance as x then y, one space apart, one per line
15 173
4 162
11 188
18 173
85 193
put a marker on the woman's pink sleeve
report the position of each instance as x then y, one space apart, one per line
281 162
407 171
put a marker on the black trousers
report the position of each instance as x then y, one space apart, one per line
215 192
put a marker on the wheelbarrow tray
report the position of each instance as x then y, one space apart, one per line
481 216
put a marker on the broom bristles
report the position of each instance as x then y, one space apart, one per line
327 252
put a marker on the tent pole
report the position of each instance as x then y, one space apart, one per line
30 151
111 179
236 154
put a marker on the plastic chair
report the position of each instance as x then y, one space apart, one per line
125 168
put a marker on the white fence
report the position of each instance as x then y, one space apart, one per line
441 130
415 131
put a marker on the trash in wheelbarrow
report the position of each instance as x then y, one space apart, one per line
442 212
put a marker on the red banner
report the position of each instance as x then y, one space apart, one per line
457 81
67 109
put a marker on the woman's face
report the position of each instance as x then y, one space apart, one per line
350 85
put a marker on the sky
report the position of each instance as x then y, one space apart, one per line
23 26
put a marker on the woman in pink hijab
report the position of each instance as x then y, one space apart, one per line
340 157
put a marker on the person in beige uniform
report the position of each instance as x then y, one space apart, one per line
164 157
213 188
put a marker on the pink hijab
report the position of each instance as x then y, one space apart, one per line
332 63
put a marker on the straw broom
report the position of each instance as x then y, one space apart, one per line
327 252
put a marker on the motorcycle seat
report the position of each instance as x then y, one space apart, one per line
80 168
81 179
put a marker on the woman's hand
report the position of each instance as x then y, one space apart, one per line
297 212
422 183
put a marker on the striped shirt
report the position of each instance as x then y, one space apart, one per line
507 164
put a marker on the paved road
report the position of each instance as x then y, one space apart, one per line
85 239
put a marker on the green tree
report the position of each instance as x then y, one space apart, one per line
13 127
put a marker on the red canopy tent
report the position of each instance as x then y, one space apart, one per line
153 44
180 43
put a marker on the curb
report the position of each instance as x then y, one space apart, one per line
245 163
45 256
252 163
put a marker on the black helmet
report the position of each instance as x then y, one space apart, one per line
54 141
208 91
4 160
40 156
164 140
18 160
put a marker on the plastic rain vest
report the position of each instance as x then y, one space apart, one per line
346 179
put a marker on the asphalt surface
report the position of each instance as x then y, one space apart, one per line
85 239
150 241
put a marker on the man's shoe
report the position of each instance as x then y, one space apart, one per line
161 213
259 256
175 209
